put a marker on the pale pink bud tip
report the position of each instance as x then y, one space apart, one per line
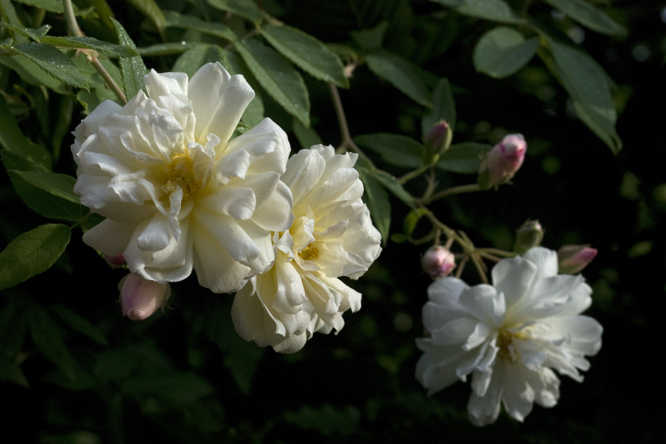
116 261
573 258
504 159
140 297
438 262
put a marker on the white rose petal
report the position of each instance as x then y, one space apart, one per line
331 236
177 194
509 336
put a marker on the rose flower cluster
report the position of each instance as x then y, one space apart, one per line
179 192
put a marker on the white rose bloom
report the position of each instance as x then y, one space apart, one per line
509 336
175 191
332 236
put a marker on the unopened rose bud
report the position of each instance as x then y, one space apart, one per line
140 297
438 262
573 258
116 261
436 142
502 162
528 235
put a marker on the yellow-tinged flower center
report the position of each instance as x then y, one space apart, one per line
309 253
504 343
180 173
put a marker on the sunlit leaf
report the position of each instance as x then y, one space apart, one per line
51 60
278 77
60 185
588 15
502 51
132 68
306 52
34 34
400 73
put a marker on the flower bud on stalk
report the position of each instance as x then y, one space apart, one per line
116 261
528 235
573 258
438 262
436 142
502 162
140 297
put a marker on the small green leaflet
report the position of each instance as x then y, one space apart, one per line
60 185
51 60
588 15
401 74
34 34
32 253
502 51
306 52
167 48
106 48
278 77
132 68
151 10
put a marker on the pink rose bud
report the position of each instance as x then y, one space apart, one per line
436 142
140 297
116 261
573 258
528 235
438 262
502 162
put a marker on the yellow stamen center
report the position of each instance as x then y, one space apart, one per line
309 253
180 173
504 342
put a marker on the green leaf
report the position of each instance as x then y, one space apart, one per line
80 324
306 52
132 68
151 10
370 39
278 77
194 23
449 3
588 15
444 108
31 73
48 338
91 99
106 48
502 51
254 113
463 157
244 8
400 73
413 218
18 150
326 420
393 148
60 185
493 10
376 199
307 137
49 5
10 371
51 60
194 58
167 48
395 187
34 34
587 85
32 253
44 202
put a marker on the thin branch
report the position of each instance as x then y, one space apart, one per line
113 86
347 140
413 174
454 190
245 37
72 25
